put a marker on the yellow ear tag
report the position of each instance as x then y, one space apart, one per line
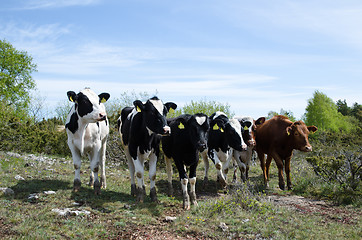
215 127
138 109
246 128
71 99
181 126
222 130
171 110
288 133
103 100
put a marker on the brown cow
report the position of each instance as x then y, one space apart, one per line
277 138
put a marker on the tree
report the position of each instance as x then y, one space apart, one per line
343 107
286 113
203 106
16 81
323 112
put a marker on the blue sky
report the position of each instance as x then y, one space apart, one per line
257 56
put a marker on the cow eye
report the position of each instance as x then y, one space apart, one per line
296 133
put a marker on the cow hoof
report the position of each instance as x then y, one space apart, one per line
133 190
103 183
153 195
222 182
91 181
186 201
193 198
282 186
97 187
170 190
76 185
205 182
290 187
140 195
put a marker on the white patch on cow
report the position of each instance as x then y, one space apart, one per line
131 114
245 119
236 125
200 120
158 105
218 113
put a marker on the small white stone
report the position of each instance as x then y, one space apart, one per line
18 177
49 192
170 219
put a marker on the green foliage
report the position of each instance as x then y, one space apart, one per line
16 81
344 168
286 113
203 106
20 133
322 112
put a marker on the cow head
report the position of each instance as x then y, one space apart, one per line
88 105
197 126
249 126
298 134
154 114
231 129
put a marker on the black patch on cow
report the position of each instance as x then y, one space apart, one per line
85 106
72 125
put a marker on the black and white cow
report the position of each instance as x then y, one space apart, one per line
225 135
87 128
140 128
243 158
188 138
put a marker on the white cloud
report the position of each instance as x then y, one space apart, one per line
40 4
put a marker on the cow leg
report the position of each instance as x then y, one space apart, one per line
261 156
269 159
131 168
169 175
94 166
192 179
77 164
152 175
280 166
219 168
139 168
186 197
287 172
227 164
241 165
103 165
206 166
184 181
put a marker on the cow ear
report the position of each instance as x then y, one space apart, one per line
260 121
72 96
170 106
182 123
312 129
289 130
103 97
246 125
139 105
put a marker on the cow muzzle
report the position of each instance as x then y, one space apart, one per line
201 146
102 116
251 143
307 149
166 131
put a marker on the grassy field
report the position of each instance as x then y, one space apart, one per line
247 211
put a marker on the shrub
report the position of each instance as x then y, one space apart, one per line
344 168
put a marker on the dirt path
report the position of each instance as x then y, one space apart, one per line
330 212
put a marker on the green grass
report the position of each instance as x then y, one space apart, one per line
115 214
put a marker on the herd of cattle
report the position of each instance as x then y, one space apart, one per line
144 126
